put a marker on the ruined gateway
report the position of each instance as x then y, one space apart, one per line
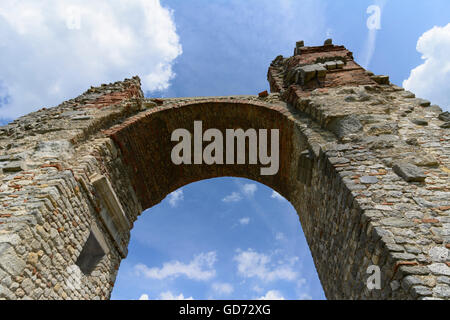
365 163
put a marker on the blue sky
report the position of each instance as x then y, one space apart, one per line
201 241
249 240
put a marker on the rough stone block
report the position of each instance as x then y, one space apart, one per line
425 160
321 72
330 65
107 194
61 149
408 95
307 73
345 126
423 102
409 172
10 261
305 167
340 64
439 254
368 179
439 269
14 166
444 116
419 122
442 291
381 79
5 293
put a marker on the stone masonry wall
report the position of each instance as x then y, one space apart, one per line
48 205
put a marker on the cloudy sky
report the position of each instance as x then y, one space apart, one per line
222 238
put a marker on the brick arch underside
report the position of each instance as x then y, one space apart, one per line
145 144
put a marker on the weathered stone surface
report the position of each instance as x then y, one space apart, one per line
422 290
409 281
381 79
442 291
368 179
309 72
9 238
423 102
408 95
425 160
420 122
439 254
53 149
395 222
330 65
439 269
444 116
10 262
345 126
409 171
13 166
5 293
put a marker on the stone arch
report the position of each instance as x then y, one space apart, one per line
145 142
367 174
143 146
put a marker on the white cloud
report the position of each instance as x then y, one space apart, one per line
253 264
200 268
168 295
431 79
175 197
51 51
244 221
257 288
301 282
222 288
234 197
305 296
249 189
280 236
276 195
272 295
143 297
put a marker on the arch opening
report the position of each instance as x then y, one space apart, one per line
220 238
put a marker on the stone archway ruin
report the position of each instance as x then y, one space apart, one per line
365 164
